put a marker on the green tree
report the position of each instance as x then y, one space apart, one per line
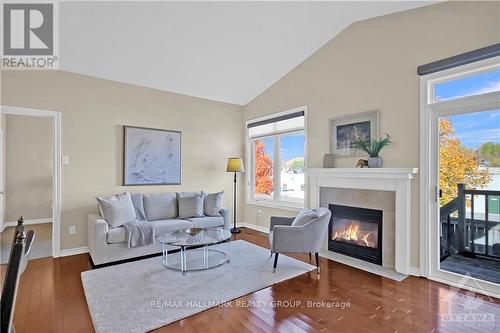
490 152
297 164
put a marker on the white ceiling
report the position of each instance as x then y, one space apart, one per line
226 51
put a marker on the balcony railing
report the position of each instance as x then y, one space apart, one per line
466 228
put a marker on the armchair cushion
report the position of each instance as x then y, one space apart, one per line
305 216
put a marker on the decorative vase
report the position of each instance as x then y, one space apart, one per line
328 161
375 162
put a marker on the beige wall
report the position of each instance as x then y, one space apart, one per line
93 113
372 65
28 186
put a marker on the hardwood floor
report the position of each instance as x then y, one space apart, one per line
42 248
51 299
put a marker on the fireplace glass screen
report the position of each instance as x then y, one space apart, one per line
355 232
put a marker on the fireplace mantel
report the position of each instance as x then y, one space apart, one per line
386 173
397 180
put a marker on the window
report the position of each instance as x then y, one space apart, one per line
277 159
478 83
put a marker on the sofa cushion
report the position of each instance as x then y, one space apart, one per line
207 222
160 206
119 235
117 209
213 203
138 202
163 226
305 216
190 205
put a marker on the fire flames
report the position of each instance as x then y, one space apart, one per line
352 233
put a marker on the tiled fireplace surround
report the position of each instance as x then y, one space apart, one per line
386 189
382 200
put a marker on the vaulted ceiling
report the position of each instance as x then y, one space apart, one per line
226 51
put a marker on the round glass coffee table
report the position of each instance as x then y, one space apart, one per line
194 252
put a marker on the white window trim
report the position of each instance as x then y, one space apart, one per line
430 111
285 205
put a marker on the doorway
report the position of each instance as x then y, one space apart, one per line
460 184
469 188
31 179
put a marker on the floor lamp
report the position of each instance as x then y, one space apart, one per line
235 164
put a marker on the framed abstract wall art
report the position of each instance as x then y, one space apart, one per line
151 156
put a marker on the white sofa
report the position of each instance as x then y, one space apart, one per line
108 244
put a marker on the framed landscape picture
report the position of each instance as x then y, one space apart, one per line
345 131
151 156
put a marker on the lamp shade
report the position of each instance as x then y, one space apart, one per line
235 164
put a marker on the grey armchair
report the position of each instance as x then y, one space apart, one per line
307 238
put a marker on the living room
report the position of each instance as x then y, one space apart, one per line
252 166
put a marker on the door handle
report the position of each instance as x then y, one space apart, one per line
435 193
2 192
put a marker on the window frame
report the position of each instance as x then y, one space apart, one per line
275 202
456 74
430 111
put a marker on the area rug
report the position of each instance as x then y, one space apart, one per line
143 295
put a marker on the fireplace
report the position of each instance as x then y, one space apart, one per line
356 232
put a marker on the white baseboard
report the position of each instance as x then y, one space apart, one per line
26 222
74 251
415 271
255 227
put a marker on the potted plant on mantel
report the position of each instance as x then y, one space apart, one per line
373 148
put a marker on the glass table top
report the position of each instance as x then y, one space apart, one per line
195 237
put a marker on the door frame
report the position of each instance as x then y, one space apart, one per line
429 162
56 172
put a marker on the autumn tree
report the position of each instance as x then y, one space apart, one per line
263 169
457 164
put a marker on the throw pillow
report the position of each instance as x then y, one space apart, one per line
305 216
188 194
213 203
117 210
190 206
